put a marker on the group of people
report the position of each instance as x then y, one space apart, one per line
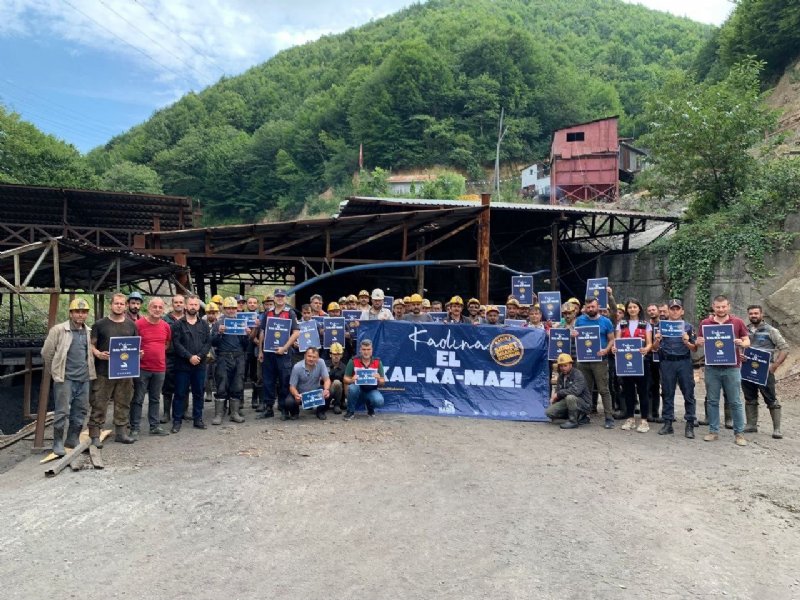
188 350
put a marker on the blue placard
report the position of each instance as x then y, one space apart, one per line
628 360
502 310
309 335
587 344
560 340
334 331
366 376
351 317
515 323
522 288
277 333
123 356
438 317
755 366
313 399
251 317
674 329
550 304
320 319
718 345
388 301
442 369
234 326
596 288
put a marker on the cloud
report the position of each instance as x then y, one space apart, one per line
189 41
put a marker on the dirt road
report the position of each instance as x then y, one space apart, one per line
407 507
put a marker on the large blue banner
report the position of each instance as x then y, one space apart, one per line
462 370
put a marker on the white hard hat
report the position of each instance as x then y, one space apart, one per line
377 294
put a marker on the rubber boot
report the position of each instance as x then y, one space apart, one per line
58 441
73 435
728 417
121 436
236 417
167 416
572 422
775 413
94 434
219 410
751 412
240 409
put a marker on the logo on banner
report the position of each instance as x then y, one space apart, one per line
506 350
754 364
124 356
628 356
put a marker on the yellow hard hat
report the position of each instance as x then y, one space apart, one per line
230 302
474 301
492 308
212 307
415 298
216 299
426 303
79 304
333 306
512 302
564 359
363 293
456 300
336 348
352 298
620 307
398 302
574 301
267 298
537 307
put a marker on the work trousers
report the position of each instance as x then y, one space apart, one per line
292 406
728 379
105 390
230 375
631 387
560 409
150 383
337 394
355 394
196 379
615 385
678 372
275 372
654 386
596 376
751 391
168 387
71 403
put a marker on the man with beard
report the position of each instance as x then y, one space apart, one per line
67 356
276 367
512 308
211 316
727 378
191 340
596 373
473 312
363 301
492 315
352 302
416 315
764 337
377 312
118 391
134 306
167 390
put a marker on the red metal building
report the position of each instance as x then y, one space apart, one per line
584 162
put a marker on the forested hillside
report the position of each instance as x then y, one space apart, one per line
423 86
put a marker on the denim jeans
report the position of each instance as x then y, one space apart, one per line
355 393
196 378
71 403
149 383
728 379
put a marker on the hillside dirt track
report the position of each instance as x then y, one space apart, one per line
410 507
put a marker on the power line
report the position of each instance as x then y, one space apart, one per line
127 43
178 35
155 41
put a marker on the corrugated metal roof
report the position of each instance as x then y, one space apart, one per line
355 205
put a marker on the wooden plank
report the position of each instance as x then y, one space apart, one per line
24 432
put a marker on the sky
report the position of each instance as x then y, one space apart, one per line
87 70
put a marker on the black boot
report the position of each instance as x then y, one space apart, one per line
666 428
255 400
58 441
689 430
583 418
73 433
572 422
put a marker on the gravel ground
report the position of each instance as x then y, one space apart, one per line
410 507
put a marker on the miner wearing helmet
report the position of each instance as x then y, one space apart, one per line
67 355
571 398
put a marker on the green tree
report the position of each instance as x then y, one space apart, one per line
126 176
446 186
701 135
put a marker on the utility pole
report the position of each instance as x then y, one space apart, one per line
501 133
